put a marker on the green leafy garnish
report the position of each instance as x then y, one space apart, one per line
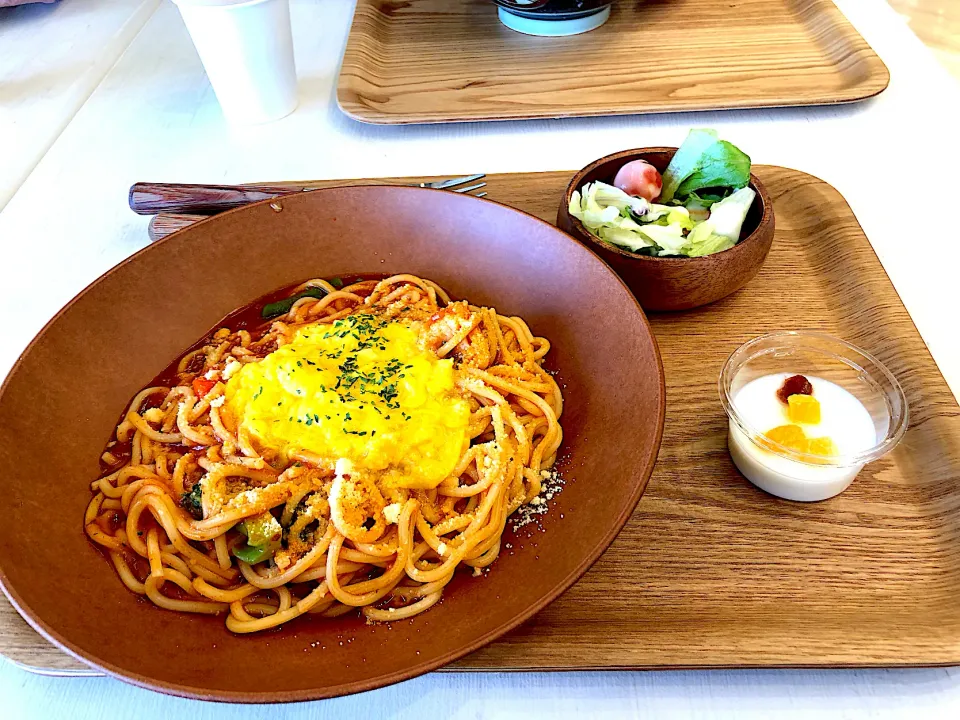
282 307
685 161
704 161
706 197
192 501
722 165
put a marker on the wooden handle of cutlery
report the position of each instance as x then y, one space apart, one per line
166 223
153 198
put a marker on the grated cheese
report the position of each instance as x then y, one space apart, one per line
537 506
391 513
232 367
153 415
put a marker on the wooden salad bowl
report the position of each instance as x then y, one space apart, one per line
671 283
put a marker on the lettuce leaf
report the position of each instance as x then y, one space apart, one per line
706 197
686 161
625 237
669 214
704 161
723 164
603 195
610 195
606 212
599 205
727 216
704 241
681 216
713 244
587 211
722 230
659 230
670 238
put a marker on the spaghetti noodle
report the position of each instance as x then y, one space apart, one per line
209 503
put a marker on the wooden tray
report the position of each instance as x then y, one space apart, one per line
428 61
711 571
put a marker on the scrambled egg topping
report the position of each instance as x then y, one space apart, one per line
361 389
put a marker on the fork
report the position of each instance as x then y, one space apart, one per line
154 198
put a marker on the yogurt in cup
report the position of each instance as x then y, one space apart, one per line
246 47
861 413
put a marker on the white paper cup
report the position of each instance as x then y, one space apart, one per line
247 50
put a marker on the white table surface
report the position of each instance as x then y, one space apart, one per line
152 116
52 57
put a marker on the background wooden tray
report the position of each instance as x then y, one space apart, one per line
710 571
427 61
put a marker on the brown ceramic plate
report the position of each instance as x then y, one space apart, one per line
60 403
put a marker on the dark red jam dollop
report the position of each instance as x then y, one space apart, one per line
794 385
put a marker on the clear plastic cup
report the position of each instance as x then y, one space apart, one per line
781 470
246 48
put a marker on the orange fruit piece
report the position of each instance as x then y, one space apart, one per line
791 436
822 446
803 409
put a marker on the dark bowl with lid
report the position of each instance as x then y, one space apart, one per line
554 9
553 17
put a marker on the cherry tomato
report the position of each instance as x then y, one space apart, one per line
201 386
640 179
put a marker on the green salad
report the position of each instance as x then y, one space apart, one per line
702 199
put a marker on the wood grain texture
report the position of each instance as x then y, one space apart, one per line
710 571
151 198
427 61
